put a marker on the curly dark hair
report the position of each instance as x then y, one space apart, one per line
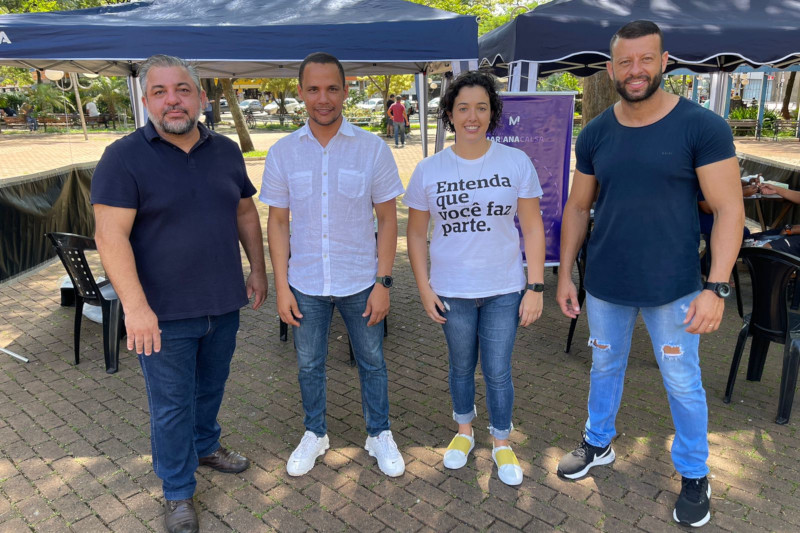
472 78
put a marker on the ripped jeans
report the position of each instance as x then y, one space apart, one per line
611 328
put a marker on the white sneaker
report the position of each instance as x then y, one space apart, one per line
457 452
508 469
303 457
385 451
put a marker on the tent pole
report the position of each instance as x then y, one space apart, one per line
74 79
421 79
762 104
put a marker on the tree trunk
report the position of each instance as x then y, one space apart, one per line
598 94
238 118
787 96
213 92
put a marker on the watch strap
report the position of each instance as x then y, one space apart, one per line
535 287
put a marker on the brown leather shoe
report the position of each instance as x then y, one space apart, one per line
180 516
226 461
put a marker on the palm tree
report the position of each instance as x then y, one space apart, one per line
280 88
111 93
47 98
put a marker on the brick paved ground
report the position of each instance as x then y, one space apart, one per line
74 441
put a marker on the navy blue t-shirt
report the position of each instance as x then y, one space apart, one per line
185 235
643 249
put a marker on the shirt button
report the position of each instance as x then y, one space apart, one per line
325 256
324 173
325 236
324 216
325 152
324 194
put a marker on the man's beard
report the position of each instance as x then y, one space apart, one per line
181 127
652 87
333 120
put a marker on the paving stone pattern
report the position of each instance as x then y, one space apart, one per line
75 450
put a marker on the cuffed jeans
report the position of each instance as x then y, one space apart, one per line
611 328
311 343
399 129
185 383
488 325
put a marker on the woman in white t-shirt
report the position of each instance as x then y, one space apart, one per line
477 289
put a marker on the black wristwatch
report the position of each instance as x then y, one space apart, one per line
536 287
386 281
723 290
787 229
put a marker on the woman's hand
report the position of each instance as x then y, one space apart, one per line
433 305
530 309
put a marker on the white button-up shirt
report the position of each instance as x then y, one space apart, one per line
330 192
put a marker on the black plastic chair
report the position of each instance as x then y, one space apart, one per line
581 262
71 249
770 321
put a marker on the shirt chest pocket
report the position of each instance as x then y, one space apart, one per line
352 183
300 184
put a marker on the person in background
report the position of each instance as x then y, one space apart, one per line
208 111
397 114
478 290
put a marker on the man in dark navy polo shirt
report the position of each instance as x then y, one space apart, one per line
172 201
644 159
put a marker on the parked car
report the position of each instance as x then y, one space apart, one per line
251 105
223 105
433 105
290 105
373 104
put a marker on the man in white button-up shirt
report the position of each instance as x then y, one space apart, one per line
330 176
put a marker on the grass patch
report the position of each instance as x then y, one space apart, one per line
256 153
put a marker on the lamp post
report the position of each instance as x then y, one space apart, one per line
58 75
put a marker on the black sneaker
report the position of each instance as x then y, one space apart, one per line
692 507
577 463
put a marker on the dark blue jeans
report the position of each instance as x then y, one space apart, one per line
185 382
311 342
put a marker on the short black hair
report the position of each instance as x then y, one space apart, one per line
636 29
323 58
471 78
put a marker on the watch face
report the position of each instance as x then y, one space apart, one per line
387 281
723 290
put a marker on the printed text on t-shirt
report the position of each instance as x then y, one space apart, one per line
459 216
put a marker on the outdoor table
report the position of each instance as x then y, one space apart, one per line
778 218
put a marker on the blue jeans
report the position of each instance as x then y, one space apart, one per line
488 325
311 343
399 129
185 382
611 328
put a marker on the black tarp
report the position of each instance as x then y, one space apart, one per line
702 35
56 200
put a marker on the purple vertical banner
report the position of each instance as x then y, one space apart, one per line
540 124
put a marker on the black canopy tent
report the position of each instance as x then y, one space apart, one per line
701 35
245 38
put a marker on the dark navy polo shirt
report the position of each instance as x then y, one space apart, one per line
643 248
185 235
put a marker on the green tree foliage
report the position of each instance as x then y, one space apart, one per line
48 98
38 6
490 13
11 77
280 89
386 85
110 94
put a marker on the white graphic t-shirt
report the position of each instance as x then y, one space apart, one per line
475 249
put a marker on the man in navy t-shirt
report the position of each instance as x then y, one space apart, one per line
644 159
172 201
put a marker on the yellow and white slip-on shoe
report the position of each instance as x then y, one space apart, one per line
457 451
508 469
